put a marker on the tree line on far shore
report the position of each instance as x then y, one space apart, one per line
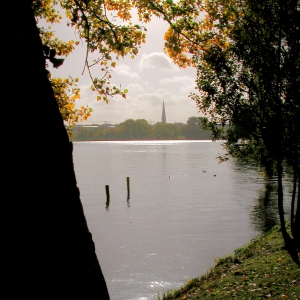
140 129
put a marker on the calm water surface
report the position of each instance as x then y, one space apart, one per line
184 211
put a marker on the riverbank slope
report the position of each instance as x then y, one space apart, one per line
262 269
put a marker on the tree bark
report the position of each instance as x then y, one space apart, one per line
49 249
290 244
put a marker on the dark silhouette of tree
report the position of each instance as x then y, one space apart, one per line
49 249
250 94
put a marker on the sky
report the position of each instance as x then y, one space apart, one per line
151 78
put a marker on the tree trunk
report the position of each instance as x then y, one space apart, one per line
49 248
290 244
297 216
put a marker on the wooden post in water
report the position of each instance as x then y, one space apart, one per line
107 192
107 196
128 188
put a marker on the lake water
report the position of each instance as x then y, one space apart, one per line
184 211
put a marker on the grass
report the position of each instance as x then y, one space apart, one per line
262 269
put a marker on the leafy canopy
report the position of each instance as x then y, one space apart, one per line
105 27
107 30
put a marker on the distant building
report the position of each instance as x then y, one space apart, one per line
163 117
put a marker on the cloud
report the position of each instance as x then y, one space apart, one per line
135 88
156 60
181 84
86 95
181 80
125 70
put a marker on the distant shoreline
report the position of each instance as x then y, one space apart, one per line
143 140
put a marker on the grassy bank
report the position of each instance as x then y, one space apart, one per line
262 269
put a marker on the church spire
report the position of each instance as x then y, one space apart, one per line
163 117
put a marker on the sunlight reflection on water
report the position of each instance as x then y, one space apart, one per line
179 216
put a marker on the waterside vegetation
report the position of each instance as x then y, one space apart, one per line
262 269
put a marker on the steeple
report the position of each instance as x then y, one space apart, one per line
163 117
